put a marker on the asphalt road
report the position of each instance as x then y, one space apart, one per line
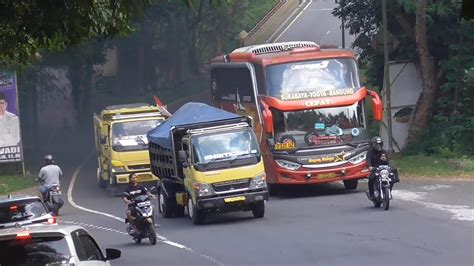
427 224
316 23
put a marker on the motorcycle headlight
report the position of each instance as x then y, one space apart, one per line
384 173
288 165
358 158
202 189
258 182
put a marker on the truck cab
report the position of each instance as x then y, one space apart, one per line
122 144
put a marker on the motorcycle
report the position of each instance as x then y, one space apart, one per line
384 179
53 200
144 221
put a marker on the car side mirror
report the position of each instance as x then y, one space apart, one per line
112 253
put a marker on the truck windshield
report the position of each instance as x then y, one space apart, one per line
224 146
312 79
317 127
131 136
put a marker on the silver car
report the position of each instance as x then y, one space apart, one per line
23 210
52 245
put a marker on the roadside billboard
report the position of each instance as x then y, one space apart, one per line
10 139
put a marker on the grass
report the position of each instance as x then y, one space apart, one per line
424 166
11 183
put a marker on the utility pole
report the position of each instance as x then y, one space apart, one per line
387 77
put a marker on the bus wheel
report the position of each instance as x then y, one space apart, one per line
351 184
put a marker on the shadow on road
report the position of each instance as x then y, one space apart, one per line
302 191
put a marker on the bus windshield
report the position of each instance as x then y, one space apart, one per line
317 127
312 79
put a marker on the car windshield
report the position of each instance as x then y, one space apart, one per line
131 136
223 146
316 127
312 79
34 251
21 210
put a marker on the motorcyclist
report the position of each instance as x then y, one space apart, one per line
49 175
131 191
377 156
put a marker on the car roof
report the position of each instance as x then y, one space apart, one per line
62 229
13 198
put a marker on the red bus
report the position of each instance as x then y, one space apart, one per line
308 106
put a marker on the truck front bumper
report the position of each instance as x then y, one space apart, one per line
233 202
142 177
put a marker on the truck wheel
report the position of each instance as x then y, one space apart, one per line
258 210
196 215
351 184
179 211
164 205
100 182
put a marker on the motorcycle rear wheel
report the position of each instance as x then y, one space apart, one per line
386 198
152 234
137 239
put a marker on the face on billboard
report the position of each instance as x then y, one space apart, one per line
3 107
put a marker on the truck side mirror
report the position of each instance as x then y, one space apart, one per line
103 140
182 156
271 143
377 106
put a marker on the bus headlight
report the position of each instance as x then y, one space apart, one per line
288 165
202 189
358 158
258 182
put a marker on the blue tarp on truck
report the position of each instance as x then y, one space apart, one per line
189 114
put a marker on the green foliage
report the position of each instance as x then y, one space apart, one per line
11 183
434 166
451 43
30 26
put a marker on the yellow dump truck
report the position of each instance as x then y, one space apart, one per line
208 160
122 144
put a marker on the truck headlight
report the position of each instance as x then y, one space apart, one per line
202 189
118 169
118 166
258 182
288 165
358 158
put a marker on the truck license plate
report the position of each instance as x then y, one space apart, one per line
234 199
326 175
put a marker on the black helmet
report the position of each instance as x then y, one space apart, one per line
48 159
377 140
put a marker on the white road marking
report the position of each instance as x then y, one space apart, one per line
162 238
327 33
293 21
458 212
435 187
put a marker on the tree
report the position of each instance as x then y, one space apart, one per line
29 26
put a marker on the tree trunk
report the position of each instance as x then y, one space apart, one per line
423 112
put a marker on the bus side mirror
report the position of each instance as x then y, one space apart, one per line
377 106
267 118
268 121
